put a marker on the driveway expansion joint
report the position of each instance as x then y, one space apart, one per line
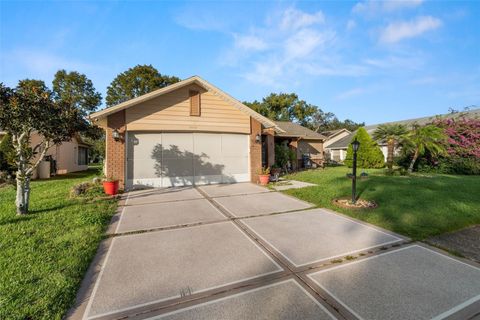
300 273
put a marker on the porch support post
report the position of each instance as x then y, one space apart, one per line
270 142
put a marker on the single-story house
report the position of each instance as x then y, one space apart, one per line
187 133
66 157
332 137
338 149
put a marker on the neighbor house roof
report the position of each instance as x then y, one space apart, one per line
333 133
342 143
345 141
424 120
295 130
267 123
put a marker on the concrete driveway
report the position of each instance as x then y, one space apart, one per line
242 252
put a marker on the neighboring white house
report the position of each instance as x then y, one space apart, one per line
334 136
336 150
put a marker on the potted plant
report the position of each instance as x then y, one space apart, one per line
110 186
275 172
264 176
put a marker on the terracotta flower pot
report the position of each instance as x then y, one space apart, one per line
264 179
110 187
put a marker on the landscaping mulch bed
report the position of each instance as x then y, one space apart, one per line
359 204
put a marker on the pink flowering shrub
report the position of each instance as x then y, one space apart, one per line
463 136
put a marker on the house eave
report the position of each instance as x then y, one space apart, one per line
267 123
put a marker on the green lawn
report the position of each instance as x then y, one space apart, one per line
44 255
418 206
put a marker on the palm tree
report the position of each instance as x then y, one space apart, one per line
392 134
421 138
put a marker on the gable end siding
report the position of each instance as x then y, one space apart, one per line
172 112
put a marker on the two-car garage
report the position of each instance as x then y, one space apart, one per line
187 133
168 159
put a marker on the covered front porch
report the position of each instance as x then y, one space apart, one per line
295 149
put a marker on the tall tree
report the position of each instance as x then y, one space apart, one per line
422 138
28 109
76 89
392 135
135 82
369 154
288 107
284 107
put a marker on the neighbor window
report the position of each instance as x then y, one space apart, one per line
82 156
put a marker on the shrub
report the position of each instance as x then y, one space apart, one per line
462 145
451 165
369 154
87 190
463 136
283 154
80 189
7 155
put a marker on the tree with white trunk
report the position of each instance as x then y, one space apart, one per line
29 109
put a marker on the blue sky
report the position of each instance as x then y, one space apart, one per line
364 60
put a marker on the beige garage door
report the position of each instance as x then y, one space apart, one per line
178 159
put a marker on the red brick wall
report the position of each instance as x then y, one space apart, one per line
115 150
255 150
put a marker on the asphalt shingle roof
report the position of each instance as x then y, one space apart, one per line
295 130
342 143
331 132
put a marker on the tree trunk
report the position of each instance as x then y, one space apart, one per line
27 193
21 201
390 149
412 163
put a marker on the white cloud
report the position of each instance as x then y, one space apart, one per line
350 93
304 42
372 7
295 19
250 42
397 31
335 69
394 5
290 46
410 61
351 24
428 80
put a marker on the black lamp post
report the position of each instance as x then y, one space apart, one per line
355 146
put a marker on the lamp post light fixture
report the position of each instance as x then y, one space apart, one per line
355 146
116 135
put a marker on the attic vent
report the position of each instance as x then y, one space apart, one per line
194 103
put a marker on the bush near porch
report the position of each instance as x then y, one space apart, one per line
417 206
44 255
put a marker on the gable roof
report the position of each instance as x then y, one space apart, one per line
267 123
295 130
342 143
333 133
